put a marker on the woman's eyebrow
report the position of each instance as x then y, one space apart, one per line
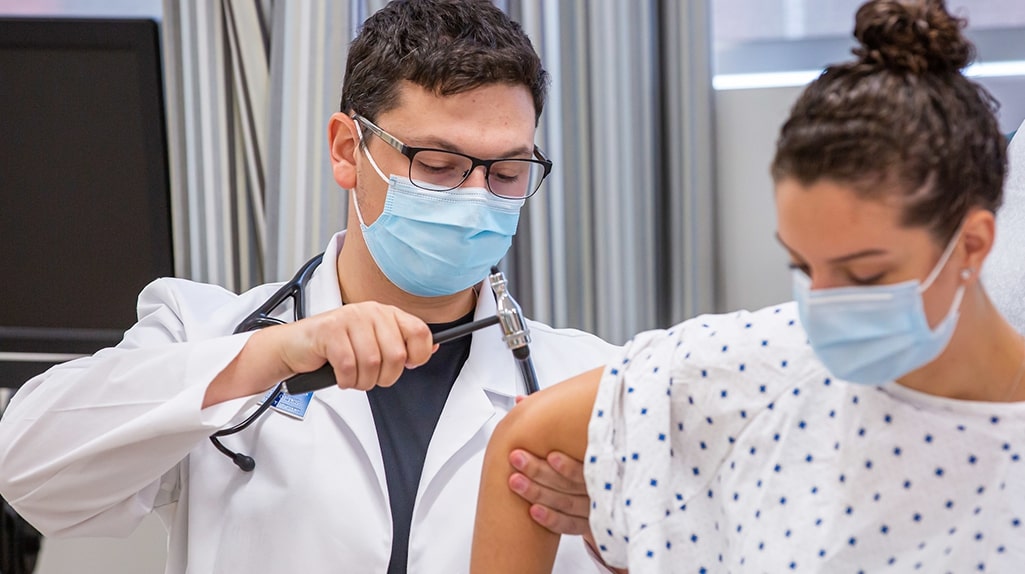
841 259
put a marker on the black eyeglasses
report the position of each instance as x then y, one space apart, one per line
441 170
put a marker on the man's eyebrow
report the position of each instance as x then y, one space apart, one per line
443 144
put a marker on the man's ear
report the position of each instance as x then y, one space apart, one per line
979 233
343 139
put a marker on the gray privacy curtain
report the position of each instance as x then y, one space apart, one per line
621 237
250 86
618 240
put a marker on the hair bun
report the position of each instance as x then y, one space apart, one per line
911 36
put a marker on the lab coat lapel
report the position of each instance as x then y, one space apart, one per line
352 407
489 373
489 369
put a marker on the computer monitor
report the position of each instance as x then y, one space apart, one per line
84 193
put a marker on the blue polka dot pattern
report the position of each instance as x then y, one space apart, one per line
760 461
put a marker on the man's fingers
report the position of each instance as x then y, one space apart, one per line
569 468
392 348
558 522
570 504
417 338
540 471
368 344
555 488
343 361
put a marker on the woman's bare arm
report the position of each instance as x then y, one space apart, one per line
506 539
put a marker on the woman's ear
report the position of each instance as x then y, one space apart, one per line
343 139
978 234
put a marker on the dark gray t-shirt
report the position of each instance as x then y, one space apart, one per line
405 415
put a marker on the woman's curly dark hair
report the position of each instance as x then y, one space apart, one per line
901 120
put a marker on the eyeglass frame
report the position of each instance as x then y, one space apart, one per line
410 151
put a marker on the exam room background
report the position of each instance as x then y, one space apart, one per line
661 126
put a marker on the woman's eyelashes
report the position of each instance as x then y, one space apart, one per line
849 276
802 267
866 280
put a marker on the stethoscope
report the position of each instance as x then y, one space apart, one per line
516 336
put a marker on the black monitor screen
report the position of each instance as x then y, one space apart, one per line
84 192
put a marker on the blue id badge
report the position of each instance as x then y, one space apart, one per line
291 405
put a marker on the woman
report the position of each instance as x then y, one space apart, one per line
877 421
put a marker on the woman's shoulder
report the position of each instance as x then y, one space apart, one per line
766 341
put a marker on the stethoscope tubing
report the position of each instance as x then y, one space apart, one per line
324 376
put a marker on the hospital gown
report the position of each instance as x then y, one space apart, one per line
723 445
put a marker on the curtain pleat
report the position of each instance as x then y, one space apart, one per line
309 46
688 148
250 87
619 240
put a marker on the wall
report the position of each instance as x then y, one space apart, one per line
144 552
752 267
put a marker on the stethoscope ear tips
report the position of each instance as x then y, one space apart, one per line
244 462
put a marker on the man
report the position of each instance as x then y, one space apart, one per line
370 482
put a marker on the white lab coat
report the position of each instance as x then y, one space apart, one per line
93 445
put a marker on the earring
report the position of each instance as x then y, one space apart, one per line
967 273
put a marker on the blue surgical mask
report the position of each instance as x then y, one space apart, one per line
877 334
434 243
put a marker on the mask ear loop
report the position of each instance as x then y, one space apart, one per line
370 158
941 263
359 214
366 151
959 295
